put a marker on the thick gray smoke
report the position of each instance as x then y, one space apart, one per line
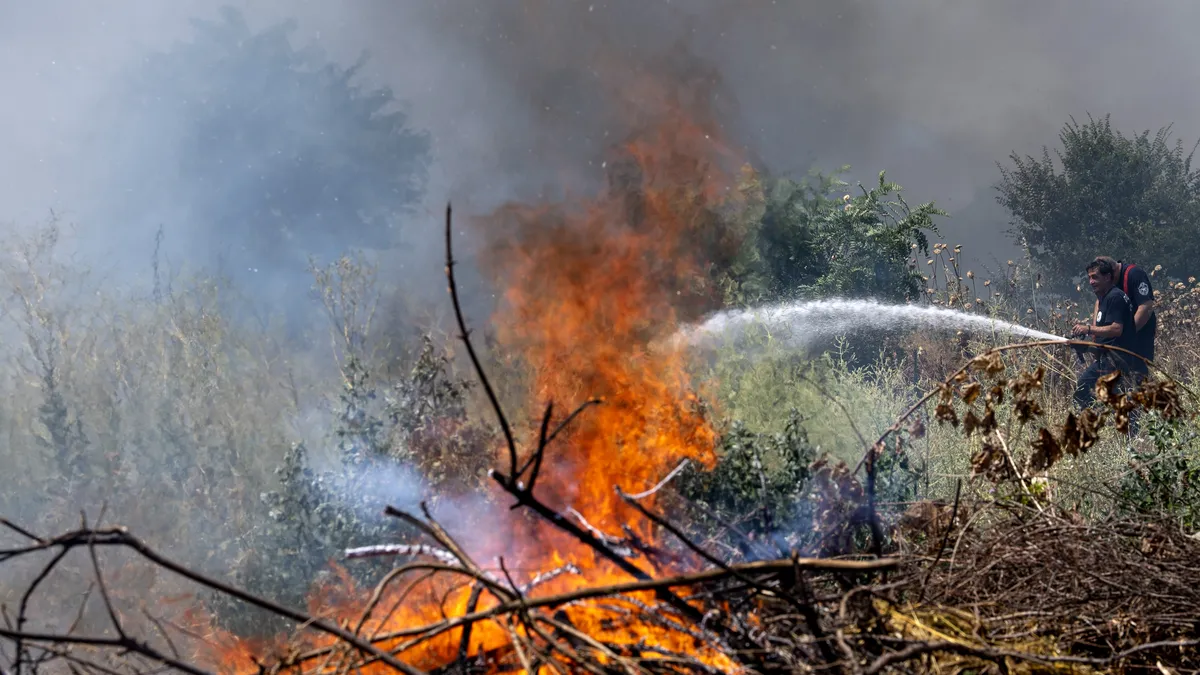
934 92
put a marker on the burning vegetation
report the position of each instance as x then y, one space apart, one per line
1016 583
593 578
613 547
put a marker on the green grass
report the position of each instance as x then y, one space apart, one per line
846 404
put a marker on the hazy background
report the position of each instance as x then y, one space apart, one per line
933 91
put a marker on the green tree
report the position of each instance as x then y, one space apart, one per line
1135 198
813 238
268 152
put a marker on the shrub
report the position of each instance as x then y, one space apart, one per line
1164 478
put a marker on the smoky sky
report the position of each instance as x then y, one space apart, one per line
521 102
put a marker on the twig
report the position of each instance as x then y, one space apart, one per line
543 577
873 512
400 550
120 537
524 498
545 440
698 550
123 643
23 608
464 335
807 609
618 546
430 527
399 601
642 495
567 628
108 605
464 642
1012 464
162 631
5 522
945 539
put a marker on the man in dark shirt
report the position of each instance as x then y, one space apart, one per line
1136 284
1113 324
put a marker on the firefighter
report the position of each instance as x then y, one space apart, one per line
1112 324
1135 282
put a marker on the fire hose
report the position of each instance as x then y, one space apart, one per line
1080 350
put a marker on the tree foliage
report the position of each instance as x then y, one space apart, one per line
813 238
1134 198
275 152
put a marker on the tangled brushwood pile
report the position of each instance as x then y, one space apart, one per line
1029 591
1123 593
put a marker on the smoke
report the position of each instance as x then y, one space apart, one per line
934 92
516 95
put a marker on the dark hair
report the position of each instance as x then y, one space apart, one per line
1103 265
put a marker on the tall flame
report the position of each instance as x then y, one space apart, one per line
590 292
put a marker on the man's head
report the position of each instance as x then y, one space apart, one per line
1116 265
1100 275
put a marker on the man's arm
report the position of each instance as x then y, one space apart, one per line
1142 315
1112 330
1089 328
1141 292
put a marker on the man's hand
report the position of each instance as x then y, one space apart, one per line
1081 329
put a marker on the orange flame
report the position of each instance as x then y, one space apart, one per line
591 294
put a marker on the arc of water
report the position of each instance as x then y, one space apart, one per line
803 322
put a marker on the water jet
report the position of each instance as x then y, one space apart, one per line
805 323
